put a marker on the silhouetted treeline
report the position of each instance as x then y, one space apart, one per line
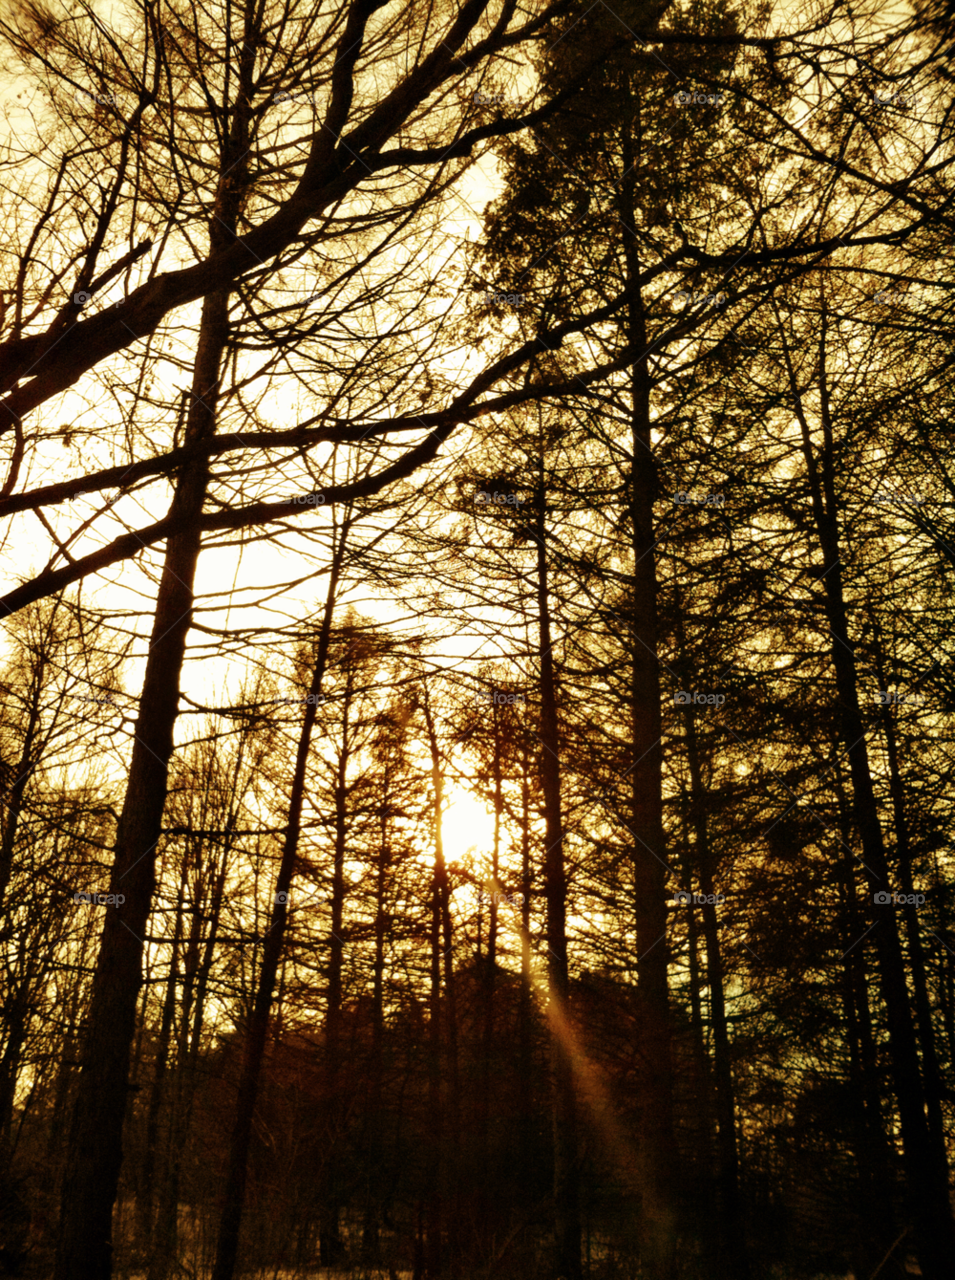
534 417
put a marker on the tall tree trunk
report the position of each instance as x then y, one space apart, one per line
371 1239
525 1094
233 1195
567 1235
431 1220
445 1048
157 1093
489 980
875 1212
931 1070
926 1166
23 774
196 965
84 1247
330 1243
731 1262
657 1144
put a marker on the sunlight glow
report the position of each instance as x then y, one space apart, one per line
468 828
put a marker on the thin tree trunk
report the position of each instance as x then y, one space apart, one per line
371 1234
925 1164
24 772
157 1093
163 1254
875 1213
525 1043
923 1009
659 1214
732 1260
447 1048
567 1234
330 1244
489 975
233 1196
431 1220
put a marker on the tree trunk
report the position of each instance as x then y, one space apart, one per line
925 1164
157 1094
23 773
371 1236
657 1145
84 1247
233 1196
731 1262
431 1221
567 1236
931 1070
875 1211
444 1041
489 976
330 1244
525 1009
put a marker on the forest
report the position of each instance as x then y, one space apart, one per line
477 531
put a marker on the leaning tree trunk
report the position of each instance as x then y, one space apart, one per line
926 1165
84 1247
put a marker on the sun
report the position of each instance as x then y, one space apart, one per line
468 829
